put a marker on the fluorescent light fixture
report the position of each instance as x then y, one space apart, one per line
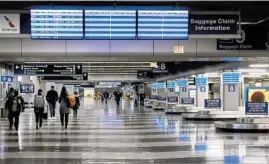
212 74
259 65
252 70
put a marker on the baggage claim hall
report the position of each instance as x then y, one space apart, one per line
134 82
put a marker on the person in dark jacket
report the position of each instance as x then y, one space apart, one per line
118 96
14 105
76 107
142 98
64 107
39 106
106 96
52 98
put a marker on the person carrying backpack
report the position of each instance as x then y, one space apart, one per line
77 104
15 105
65 105
39 106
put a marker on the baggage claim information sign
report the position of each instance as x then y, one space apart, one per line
163 25
257 99
102 24
48 69
57 24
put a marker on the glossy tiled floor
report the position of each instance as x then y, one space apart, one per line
106 134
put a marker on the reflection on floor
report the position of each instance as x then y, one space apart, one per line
106 134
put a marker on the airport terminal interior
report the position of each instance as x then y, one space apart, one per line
134 82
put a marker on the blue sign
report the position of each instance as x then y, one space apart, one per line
256 108
57 24
187 100
172 99
163 24
201 81
212 103
4 79
110 24
203 89
182 83
184 89
231 77
231 88
171 84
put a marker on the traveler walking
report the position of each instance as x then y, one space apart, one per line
52 98
106 96
118 95
15 105
142 98
77 104
64 107
39 106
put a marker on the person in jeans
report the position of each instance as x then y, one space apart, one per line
76 106
39 106
64 107
15 105
52 98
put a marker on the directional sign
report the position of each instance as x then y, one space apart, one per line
48 69
145 74
231 88
202 88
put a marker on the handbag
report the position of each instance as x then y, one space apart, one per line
45 113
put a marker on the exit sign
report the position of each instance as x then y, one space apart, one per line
178 49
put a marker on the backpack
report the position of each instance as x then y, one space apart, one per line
39 101
71 101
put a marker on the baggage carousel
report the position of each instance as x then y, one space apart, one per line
182 109
245 124
207 116
159 105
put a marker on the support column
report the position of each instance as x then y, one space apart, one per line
230 83
183 89
201 90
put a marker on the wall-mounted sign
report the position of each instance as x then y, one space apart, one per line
231 88
153 97
60 78
213 23
9 23
253 37
178 49
7 79
161 98
202 89
85 76
187 100
212 103
257 101
172 99
48 69
184 89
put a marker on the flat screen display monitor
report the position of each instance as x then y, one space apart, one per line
110 24
163 25
57 24
27 88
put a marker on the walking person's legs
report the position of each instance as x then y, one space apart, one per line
62 119
41 118
51 110
54 106
66 119
10 118
17 119
36 119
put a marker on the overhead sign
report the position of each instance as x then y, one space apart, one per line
231 77
253 37
212 103
48 69
213 23
9 23
145 74
85 76
7 79
164 67
27 88
61 78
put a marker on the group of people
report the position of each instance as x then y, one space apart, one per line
15 105
105 96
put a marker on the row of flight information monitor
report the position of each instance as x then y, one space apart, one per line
109 24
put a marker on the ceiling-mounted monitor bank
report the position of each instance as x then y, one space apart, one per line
109 24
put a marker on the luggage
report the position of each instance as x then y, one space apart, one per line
72 101
4 113
45 114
